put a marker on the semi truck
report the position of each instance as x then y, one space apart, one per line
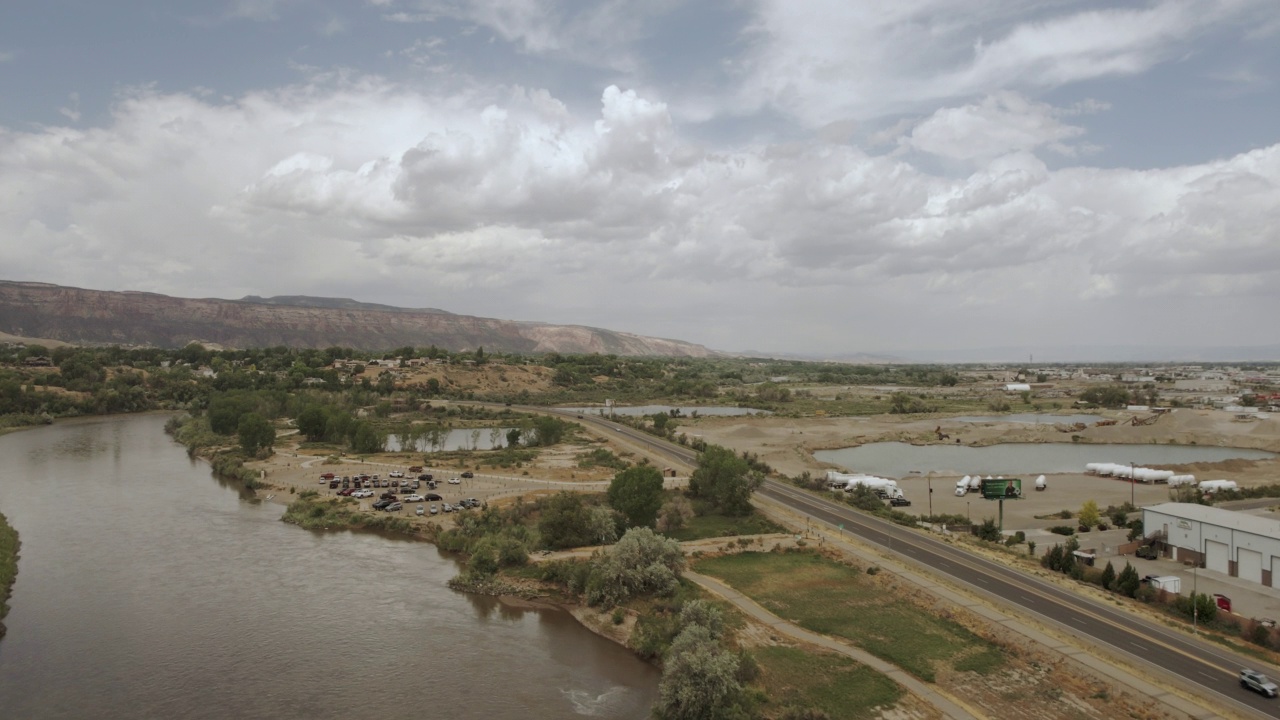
884 487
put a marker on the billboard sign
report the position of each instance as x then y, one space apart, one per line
1006 488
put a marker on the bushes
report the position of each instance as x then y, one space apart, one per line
1062 530
641 563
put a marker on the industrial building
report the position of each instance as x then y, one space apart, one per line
1239 545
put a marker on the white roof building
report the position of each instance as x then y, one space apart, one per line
1233 543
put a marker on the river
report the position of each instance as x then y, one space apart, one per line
149 589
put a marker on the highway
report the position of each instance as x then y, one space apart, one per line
1205 669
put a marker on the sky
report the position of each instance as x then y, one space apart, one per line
823 177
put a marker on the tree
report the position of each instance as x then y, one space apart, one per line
699 679
1089 515
641 563
674 514
312 423
548 430
365 440
256 433
513 437
564 522
724 480
1127 582
637 493
601 524
1108 576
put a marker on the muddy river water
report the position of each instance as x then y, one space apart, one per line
148 589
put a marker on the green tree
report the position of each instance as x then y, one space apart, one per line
256 433
637 493
699 679
564 522
513 437
1089 515
724 480
312 423
366 440
1108 576
641 563
1128 582
601 524
674 514
548 431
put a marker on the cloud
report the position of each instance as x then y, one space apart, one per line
504 201
260 10
827 60
1000 123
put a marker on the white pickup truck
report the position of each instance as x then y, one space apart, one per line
1256 681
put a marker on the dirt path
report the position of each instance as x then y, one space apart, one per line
947 706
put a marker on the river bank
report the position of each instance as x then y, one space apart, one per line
9 546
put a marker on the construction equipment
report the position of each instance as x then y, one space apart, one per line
1104 423
1141 421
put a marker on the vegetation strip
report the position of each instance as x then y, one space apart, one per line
827 597
9 545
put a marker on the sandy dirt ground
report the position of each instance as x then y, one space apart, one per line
788 444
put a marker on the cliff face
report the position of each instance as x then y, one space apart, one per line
40 310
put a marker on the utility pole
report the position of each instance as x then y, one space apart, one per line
1131 479
930 481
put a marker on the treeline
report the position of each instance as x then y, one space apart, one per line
9 545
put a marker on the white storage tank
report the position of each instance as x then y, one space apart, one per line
1042 483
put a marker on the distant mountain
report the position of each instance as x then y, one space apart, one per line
334 303
74 315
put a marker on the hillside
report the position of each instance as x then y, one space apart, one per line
75 315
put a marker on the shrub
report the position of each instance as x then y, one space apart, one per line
1062 530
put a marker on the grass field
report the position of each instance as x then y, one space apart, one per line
832 683
711 526
827 597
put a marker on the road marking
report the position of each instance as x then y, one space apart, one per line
1207 675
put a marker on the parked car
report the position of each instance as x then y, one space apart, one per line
395 483
394 507
899 501
362 494
388 496
1147 552
417 484
421 511
434 510
468 474
448 508
395 474
382 504
455 481
413 498
473 502
415 468
1257 682
434 497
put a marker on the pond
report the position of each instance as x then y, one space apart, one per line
1030 419
894 459
685 410
456 439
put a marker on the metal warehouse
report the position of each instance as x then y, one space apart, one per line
1239 545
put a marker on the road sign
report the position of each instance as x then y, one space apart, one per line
1002 489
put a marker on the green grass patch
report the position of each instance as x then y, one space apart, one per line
325 513
827 597
710 526
9 545
828 682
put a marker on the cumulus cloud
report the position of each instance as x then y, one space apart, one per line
826 60
506 202
1000 123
